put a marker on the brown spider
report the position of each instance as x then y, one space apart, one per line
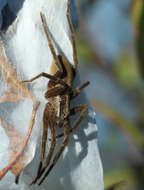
57 111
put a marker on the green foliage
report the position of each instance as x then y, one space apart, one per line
119 178
136 11
84 51
116 186
126 70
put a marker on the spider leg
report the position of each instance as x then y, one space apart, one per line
75 57
63 145
49 120
83 108
53 144
57 61
17 179
21 150
46 75
51 150
78 89
46 118
56 91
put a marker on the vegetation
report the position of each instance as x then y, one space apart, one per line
123 167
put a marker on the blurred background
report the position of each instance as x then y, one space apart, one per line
110 46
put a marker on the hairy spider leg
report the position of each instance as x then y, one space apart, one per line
83 108
17 179
44 137
53 135
46 75
49 120
62 147
75 57
56 91
57 62
78 89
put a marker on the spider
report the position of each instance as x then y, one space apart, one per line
57 111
